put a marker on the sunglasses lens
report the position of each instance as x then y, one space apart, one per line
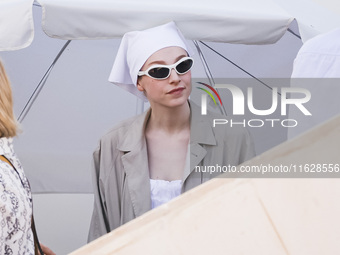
159 72
184 66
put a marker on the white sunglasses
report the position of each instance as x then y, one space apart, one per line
161 72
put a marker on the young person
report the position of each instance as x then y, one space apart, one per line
149 159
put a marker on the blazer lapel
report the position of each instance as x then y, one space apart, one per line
135 163
201 133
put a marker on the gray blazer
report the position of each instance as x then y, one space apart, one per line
120 166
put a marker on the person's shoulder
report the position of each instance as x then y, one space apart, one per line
221 125
326 43
228 127
121 129
230 133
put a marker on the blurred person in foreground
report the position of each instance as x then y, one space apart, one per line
16 208
317 69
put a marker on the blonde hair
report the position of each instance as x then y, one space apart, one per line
8 124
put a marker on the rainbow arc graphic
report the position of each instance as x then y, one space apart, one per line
209 93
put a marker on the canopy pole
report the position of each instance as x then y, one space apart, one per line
41 84
208 73
205 64
238 67
292 32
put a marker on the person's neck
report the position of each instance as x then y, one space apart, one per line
170 119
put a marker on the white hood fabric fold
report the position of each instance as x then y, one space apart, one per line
136 47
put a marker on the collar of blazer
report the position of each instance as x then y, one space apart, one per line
201 131
134 144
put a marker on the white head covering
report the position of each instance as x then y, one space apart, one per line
136 47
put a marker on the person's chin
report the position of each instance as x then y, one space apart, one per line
179 101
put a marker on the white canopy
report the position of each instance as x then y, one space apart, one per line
16 24
242 21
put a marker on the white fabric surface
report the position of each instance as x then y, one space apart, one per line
319 58
16 24
241 21
163 191
313 18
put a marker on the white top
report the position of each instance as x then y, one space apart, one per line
163 191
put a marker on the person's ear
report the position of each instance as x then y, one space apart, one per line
139 86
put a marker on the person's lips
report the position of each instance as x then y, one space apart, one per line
176 90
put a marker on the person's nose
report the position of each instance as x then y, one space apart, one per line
174 77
